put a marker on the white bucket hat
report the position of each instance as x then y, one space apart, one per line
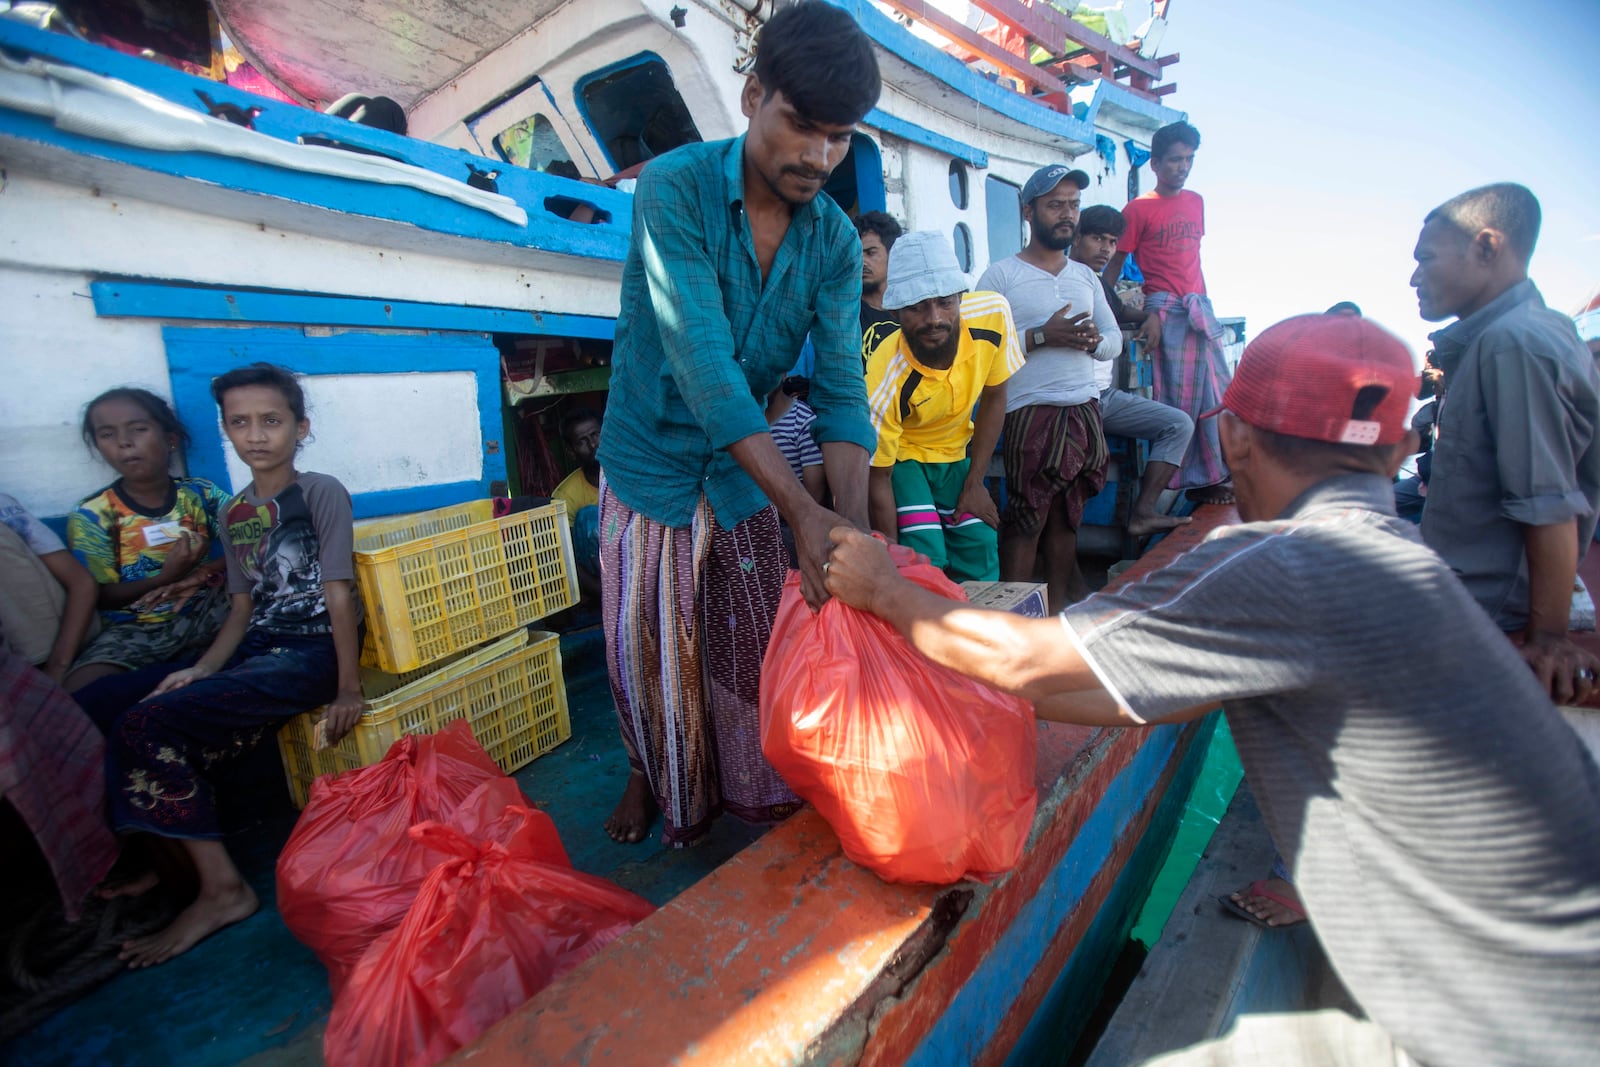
921 265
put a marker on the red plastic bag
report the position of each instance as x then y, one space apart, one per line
490 928
925 774
350 868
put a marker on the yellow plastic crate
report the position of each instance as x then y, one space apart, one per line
511 693
442 581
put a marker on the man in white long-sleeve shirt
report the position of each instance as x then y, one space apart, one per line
1055 449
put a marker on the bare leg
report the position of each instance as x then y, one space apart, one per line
631 818
1145 519
90 672
224 899
1062 573
1018 553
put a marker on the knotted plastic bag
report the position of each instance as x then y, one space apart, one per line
491 926
350 869
925 774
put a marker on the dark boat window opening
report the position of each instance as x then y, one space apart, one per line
1002 203
635 111
962 238
958 184
856 184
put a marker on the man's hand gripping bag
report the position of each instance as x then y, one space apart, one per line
925 774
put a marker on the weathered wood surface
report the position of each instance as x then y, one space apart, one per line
1210 967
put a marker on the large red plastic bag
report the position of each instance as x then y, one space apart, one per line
350 869
925 774
491 927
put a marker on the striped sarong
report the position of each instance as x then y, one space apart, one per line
1191 375
1051 451
52 770
688 613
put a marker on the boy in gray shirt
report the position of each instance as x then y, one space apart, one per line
1439 816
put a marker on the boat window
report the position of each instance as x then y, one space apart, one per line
856 184
962 239
1003 204
532 143
958 183
635 111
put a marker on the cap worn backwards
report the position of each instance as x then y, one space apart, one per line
1304 378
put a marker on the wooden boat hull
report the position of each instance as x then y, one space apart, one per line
789 953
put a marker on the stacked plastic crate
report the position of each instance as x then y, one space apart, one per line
449 595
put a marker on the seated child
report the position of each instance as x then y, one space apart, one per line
580 490
289 644
145 538
46 597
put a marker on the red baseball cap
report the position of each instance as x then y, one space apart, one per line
1301 378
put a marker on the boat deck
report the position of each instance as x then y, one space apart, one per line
254 994
785 946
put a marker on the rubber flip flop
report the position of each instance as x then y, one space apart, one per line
1259 889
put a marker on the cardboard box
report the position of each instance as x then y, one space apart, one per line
1020 598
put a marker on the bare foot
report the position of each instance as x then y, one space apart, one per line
1273 901
631 818
138 885
1155 522
209 913
1213 494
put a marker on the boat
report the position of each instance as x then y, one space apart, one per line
163 223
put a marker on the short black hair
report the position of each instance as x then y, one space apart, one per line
159 410
1345 307
1175 133
881 223
1101 218
575 416
1505 206
271 375
818 58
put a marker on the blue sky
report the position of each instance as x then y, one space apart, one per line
1329 130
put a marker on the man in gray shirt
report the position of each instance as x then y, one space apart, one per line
1515 483
1439 815
1055 449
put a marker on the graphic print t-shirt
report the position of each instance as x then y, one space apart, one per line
116 540
876 324
281 549
1164 234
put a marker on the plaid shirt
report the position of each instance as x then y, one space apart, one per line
701 341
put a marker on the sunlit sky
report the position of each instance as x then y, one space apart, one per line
1330 129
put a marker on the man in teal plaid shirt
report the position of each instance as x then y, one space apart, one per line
735 260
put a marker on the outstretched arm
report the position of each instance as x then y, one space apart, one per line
1033 658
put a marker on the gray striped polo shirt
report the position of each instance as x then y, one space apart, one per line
1442 820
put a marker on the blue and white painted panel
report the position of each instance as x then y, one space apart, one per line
424 437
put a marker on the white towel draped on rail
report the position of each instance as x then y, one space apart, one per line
109 109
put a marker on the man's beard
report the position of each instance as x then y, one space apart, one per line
871 288
1053 240
772 183
942 354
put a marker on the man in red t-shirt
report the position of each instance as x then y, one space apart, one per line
1181 333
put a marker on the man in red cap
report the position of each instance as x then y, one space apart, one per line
1438 814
